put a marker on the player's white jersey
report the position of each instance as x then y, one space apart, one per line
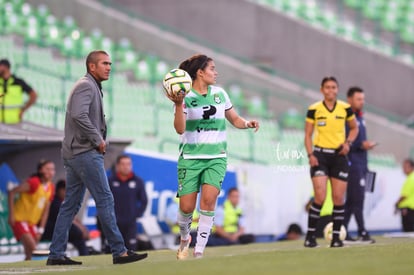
205 131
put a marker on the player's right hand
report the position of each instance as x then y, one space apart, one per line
313 161
177 98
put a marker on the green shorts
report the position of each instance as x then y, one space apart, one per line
192 173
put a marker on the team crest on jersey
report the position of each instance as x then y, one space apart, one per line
217 99
132 184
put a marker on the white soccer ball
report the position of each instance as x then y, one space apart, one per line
177 81
327 232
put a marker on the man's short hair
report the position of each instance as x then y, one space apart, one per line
353 90
295 228
231 190
121 157
5 62
93 57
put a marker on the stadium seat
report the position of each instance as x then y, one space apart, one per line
52 34
237 98
257 107
292 119
356 4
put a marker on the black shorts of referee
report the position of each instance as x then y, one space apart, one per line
331 164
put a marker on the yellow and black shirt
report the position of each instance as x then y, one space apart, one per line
329 125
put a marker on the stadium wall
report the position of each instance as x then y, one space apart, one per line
271 38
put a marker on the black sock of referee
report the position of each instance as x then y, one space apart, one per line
338 215
314 215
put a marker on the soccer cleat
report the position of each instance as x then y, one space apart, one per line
310 242
198 255
182 252
62 261
129 258
337 243
365 238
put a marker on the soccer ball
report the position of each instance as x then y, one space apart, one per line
327 232
177 81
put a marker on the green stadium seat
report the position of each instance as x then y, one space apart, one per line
373 9
52 34
161 69
356 4
237 97
42 13
407 34
292 7
257 107
13 23
292 119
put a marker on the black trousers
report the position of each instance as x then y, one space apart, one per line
407 219
355 196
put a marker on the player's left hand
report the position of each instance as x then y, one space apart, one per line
253 124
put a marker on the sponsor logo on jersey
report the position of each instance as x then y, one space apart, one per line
343 174
209 111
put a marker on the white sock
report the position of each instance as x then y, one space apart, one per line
205 223
184 222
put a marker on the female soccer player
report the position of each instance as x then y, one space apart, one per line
200 120
28 214
327 155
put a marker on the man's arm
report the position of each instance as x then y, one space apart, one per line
141 198
30 102
81 100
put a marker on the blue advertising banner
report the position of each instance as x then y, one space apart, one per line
160 176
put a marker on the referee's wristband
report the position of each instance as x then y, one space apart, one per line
246 124
309 155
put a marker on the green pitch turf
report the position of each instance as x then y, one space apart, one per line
387 256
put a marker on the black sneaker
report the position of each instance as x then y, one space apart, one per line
349 240
337 243
365 238
131 257
310 242
62 261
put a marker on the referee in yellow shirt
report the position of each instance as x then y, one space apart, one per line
405 203
325 122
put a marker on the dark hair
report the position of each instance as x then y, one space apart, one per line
5 62
295 228
195 63
40 165
329 78
353 90
120 157
410 162
93 58
231 190
61 184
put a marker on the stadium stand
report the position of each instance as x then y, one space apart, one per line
134 86
346 18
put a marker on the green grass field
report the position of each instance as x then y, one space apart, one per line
386 256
